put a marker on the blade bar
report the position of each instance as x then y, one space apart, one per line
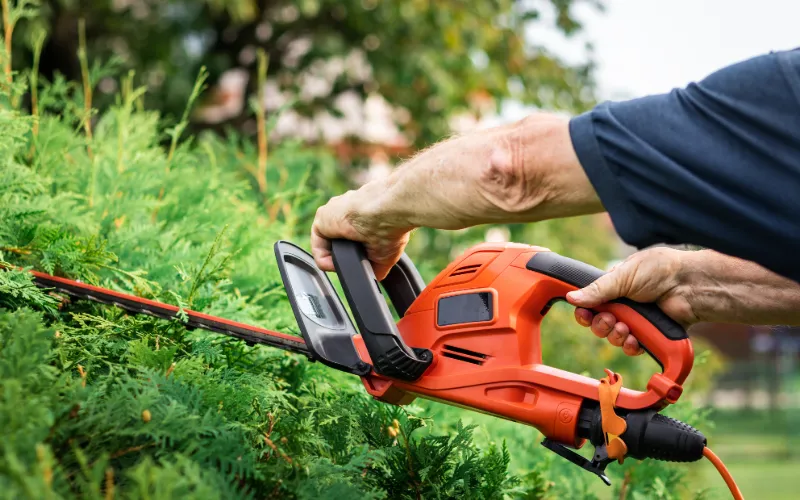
131 303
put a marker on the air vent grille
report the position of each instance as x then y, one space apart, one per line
461 354
471 269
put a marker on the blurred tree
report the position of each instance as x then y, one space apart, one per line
429 60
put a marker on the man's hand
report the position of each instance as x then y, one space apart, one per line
689 287
521 172
354 216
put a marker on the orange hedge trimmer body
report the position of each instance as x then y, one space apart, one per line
470 338
493 362
474 333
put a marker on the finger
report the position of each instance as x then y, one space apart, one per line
631 346
321 250
330 220
605 288
583 316
381 266
603 324
386 253
381 270
329 223
619 334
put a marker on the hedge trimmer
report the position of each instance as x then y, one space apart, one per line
471 338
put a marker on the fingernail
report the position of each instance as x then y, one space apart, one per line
577 296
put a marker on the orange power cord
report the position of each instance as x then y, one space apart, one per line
735 491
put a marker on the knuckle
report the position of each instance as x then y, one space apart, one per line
594 287
607 320
618 338
605 287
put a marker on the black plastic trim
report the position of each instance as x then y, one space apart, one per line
389 354
648 434
470 307
465 351
403 285
332 347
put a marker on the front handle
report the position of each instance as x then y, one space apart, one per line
658 334
390 356
403 284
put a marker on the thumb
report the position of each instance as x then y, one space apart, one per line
381 270
603 289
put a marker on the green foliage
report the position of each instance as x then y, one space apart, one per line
431 59
446 466
17 290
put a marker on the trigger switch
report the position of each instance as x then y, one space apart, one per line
549 304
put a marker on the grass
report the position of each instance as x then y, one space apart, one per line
772 479
761 451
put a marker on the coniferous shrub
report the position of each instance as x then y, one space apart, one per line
98 403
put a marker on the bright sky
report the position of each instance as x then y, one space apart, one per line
651 46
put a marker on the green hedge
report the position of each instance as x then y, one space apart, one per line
95 403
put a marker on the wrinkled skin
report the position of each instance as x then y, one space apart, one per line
521 172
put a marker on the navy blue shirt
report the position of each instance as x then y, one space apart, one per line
715 164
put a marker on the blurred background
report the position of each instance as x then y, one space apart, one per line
370 82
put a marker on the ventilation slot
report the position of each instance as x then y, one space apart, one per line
465 351
453 352
461 271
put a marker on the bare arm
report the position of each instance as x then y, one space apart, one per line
521 172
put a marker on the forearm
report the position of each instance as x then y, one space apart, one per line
524 171
721 288
521 172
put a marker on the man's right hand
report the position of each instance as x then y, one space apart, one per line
690 287
521 172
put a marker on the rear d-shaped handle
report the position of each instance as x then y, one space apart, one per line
389 354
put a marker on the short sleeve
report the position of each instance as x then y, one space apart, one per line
715 164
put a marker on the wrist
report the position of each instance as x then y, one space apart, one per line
720 288
383 210
690 267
